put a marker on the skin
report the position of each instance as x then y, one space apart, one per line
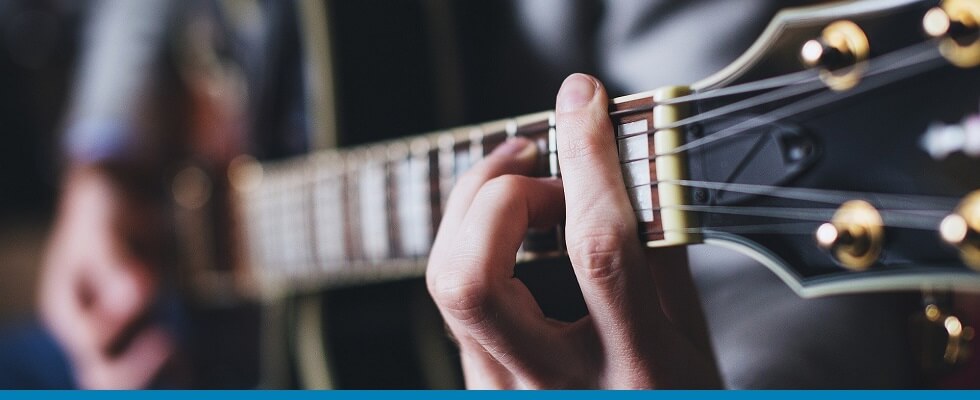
645 328
96 287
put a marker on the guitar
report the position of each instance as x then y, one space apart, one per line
840 152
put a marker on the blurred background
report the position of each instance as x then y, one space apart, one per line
133 90
40 40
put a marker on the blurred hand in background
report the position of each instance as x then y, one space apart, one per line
98 283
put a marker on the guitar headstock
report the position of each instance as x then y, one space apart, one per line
842 150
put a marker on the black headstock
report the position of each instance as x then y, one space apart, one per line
863 124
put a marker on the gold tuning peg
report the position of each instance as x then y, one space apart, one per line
962 229
957 22
854 236
838 52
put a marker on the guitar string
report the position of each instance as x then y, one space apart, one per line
807 83
917 65
901 59
898 218
790 228
742 88
891 60
761 84
829 196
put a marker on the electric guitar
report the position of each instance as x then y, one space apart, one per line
842 151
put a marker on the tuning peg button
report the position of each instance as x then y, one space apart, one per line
854 237
962 229
957 22
838 52
819 53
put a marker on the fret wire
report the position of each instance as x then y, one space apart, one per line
435 195
352 210
511 128
446 161
397 153
476 144
325 207
421 172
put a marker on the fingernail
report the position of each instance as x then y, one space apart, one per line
519 148
575 92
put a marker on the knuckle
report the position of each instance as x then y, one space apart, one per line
598 252
462 297
502 189
471 180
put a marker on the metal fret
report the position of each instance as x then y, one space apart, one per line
328 211
414 205
352 214
257 229
476 148
636 174
447 168
396 160
296 240
372 187
553 168
275 248
495 133
511 128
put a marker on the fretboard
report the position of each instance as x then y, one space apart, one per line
370 213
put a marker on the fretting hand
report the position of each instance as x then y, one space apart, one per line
644 328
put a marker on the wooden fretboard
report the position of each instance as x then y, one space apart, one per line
371 213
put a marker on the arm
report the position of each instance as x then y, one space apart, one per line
644 327
100 276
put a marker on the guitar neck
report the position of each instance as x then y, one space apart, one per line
370 213
773 138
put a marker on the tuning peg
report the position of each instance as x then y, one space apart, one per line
854 236
957 22
838 52
820 53
962 229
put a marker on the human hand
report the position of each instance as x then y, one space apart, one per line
97 285
644 328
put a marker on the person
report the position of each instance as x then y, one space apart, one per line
140 106
649 319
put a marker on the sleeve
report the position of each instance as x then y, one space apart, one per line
123 46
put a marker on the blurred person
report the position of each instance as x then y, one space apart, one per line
152 90
101 283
